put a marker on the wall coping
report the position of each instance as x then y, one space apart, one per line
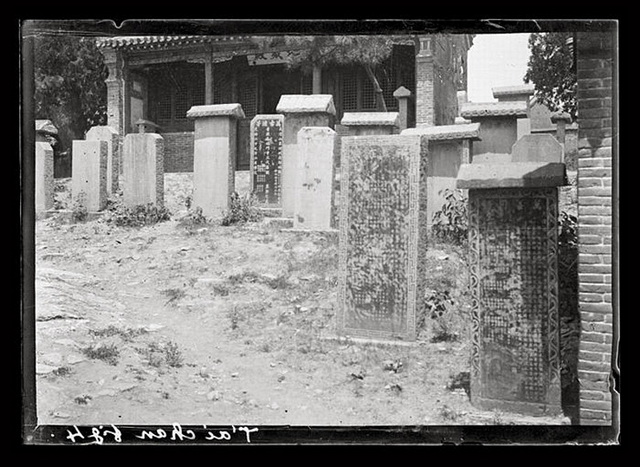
446 132
303 103
518 90
370 119
216 110
512 175
494 109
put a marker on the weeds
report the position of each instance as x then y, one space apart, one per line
163 354
194 218
173 295
127 334
79 211
62 371
241 210
438 306
450 222
447 413
107 353
137 216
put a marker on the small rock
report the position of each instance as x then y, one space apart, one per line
53 358
44 369
213 396
61 415
152 327
234 375
443 258
280 378
272 365
73 359
275 406
107 392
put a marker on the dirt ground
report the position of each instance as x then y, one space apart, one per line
205 324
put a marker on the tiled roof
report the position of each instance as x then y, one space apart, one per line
447 132
148 42
494 109
370 119
523 89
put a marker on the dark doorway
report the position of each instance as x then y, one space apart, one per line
276 81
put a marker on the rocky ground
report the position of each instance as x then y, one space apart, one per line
189 323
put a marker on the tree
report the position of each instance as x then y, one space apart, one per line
69 84
310 51
551 69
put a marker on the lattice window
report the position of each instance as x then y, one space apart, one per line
221 84
306 83
368 101
248 95
349 91
163 105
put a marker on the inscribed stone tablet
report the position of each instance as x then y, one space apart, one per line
514 284
382 235
266 158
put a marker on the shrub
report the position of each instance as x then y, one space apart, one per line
137 216
449 224
193 218
79 211
107 353
438 307
242 209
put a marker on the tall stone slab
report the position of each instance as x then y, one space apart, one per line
383 232
513 242
143 169
314 183
44 177
89 174
299 111
214 156
111 136
265 164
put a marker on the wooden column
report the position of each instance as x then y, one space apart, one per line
208 80
317 80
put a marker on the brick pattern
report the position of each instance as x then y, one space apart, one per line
178 151
595 93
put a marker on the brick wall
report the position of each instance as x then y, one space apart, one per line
178 152
595 209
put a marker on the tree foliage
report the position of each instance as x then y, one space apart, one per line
69 84
551 69
366 51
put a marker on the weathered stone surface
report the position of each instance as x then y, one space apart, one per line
143 169
111 136
370 119
267 139
214 160
537 148
300 111
315 178
401 92
44 177
491 158
89 174
300 103
515 354
216 110
523 90
512 175
46 127
446 132
382 235
523 126
494 109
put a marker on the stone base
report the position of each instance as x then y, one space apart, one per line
525 408
363 340
268 211
298 230
282 222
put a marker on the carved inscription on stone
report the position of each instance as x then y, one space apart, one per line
266 158
513 241
380 231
